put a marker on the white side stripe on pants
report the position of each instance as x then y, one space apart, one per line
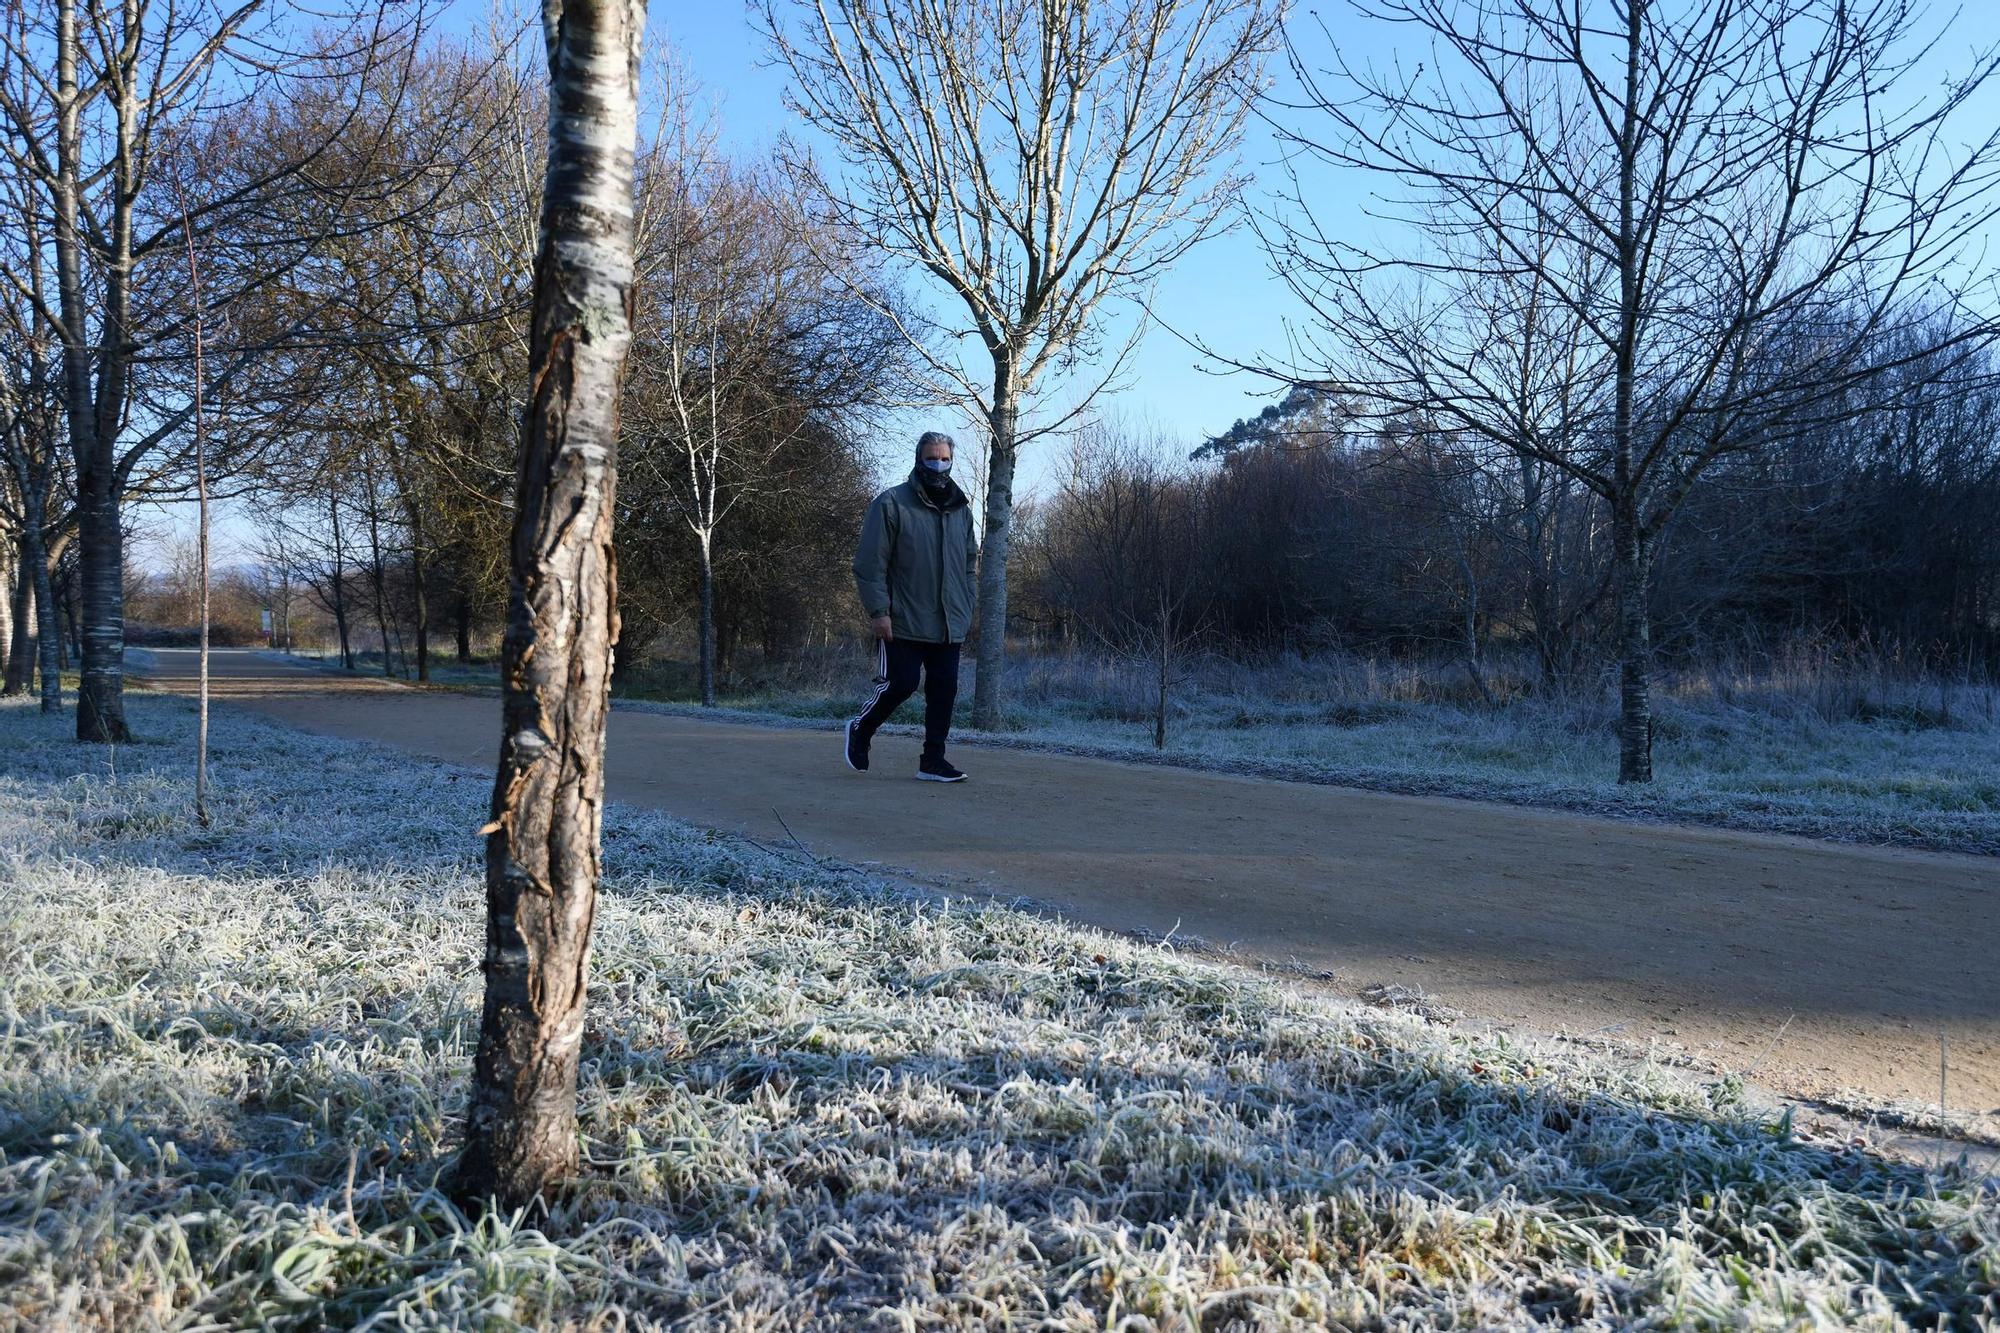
881 679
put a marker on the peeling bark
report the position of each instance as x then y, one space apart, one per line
562 622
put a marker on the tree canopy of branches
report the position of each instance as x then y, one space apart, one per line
1642 238
759 342
397 470
1036 159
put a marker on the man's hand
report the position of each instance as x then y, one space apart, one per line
882 628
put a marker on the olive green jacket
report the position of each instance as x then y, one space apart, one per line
918 564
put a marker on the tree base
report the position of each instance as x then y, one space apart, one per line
97 724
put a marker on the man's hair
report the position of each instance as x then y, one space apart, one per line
931 437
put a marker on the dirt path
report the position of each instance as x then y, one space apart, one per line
1824 967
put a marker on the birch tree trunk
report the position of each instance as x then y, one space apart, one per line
990 662
1635 628
562 621
706 648
94 402
100 701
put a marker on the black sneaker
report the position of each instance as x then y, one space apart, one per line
938 770
857 749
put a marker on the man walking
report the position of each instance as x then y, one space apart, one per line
916 568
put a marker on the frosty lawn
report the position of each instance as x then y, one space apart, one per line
1819 749
234 1059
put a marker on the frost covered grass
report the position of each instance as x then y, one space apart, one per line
1855 751
234 1057
445 669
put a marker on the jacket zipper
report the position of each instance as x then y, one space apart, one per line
944 615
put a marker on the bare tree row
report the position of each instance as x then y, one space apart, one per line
146 142
1324 524
1629 243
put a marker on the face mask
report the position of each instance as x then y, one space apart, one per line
937 466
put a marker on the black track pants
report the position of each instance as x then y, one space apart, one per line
898 665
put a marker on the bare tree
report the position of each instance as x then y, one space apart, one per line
562 621
408 438
1123 549
372 498
429 303
748 340
312 554
281 564
105 101
1626 203
1036 161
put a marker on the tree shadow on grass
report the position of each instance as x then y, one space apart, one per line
1355 1157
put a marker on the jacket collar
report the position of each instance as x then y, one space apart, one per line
953 497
